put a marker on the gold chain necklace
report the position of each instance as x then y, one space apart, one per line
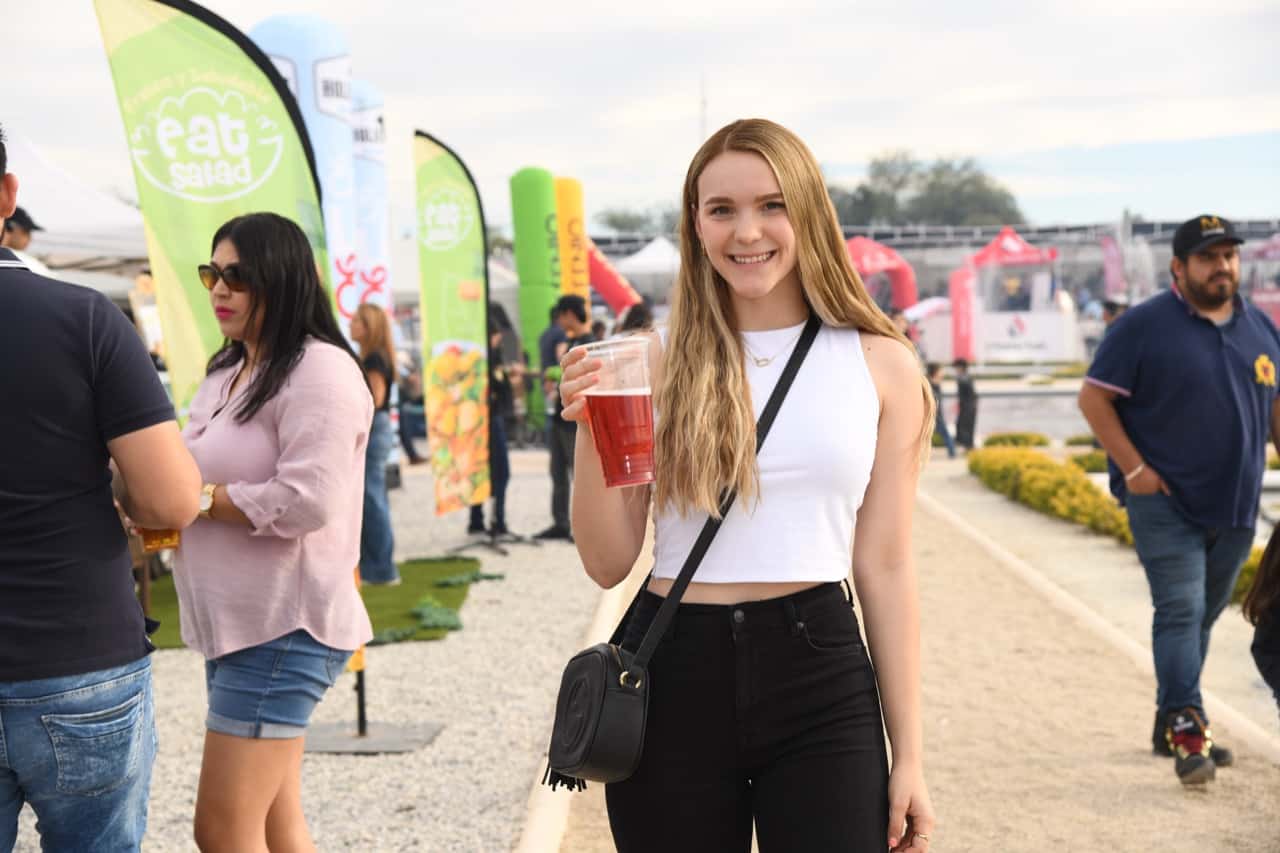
765 362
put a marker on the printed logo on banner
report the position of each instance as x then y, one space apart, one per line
206 145
333 87
369 134
288 71
445 218
1017 327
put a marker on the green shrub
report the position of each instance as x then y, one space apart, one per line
1054 488
1247 573
1064 491
1084 439
1093 462
1071 371
1273 463
1016 439
938 441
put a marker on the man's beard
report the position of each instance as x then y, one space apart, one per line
1214 293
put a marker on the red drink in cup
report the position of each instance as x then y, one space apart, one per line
620 411
622 426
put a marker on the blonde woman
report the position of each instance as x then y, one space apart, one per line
371 330
765 706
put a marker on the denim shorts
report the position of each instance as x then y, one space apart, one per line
269 691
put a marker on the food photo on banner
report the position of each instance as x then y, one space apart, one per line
454 304
212 133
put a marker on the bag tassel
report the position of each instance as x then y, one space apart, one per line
553 779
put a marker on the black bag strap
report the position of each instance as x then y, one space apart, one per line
661 621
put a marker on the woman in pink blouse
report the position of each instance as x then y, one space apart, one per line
265 575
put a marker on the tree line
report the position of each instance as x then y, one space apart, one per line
899 189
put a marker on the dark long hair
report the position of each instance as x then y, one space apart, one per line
1263 600
284 288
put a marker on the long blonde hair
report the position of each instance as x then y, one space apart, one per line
377 334
705 439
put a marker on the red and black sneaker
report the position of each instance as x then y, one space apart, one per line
1189 741
1221 755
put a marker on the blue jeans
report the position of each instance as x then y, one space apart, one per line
1191 571
940 425
376 539
79 749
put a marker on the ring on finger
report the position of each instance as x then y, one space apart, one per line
922 835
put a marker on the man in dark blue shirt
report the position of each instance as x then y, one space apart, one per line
1182 395
77 722
571 314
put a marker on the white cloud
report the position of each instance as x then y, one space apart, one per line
611 94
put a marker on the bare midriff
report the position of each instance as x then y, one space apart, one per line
730 593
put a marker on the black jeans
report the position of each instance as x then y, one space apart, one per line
499 475
561 438
764 710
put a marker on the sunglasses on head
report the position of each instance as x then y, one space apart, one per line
210 273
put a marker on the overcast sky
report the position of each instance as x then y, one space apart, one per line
1082 108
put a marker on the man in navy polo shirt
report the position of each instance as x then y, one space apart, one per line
1182 395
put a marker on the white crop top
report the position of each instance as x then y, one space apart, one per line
814 468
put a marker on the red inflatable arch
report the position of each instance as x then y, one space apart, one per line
871 258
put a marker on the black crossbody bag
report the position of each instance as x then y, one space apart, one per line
601 710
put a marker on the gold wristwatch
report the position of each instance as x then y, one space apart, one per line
206 500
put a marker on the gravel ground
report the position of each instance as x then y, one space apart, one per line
492 686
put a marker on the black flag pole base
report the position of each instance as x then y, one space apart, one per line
516 539
379 739
366 738
488 541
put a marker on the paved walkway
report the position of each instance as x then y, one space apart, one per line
1037 729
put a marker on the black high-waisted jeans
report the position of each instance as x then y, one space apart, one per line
764 710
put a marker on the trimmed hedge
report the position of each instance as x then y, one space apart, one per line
1016 439
1093 462
1084 439
1064 491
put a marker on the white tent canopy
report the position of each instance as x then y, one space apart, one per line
659 257
653 269
83 226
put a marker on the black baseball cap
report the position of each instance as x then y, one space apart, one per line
1200 233
22 220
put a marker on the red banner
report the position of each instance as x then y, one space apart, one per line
608 282
964 311
1113 268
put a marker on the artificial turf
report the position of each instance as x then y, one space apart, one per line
389 606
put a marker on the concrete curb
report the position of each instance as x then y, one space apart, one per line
548 811
1242 728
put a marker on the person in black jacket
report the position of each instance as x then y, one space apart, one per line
1262 609
501 407
967 396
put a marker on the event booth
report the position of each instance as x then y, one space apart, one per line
1260 275
889 278
1005 306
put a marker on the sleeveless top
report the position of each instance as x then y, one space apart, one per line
814 469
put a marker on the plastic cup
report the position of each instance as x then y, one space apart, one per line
159 540
620 410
